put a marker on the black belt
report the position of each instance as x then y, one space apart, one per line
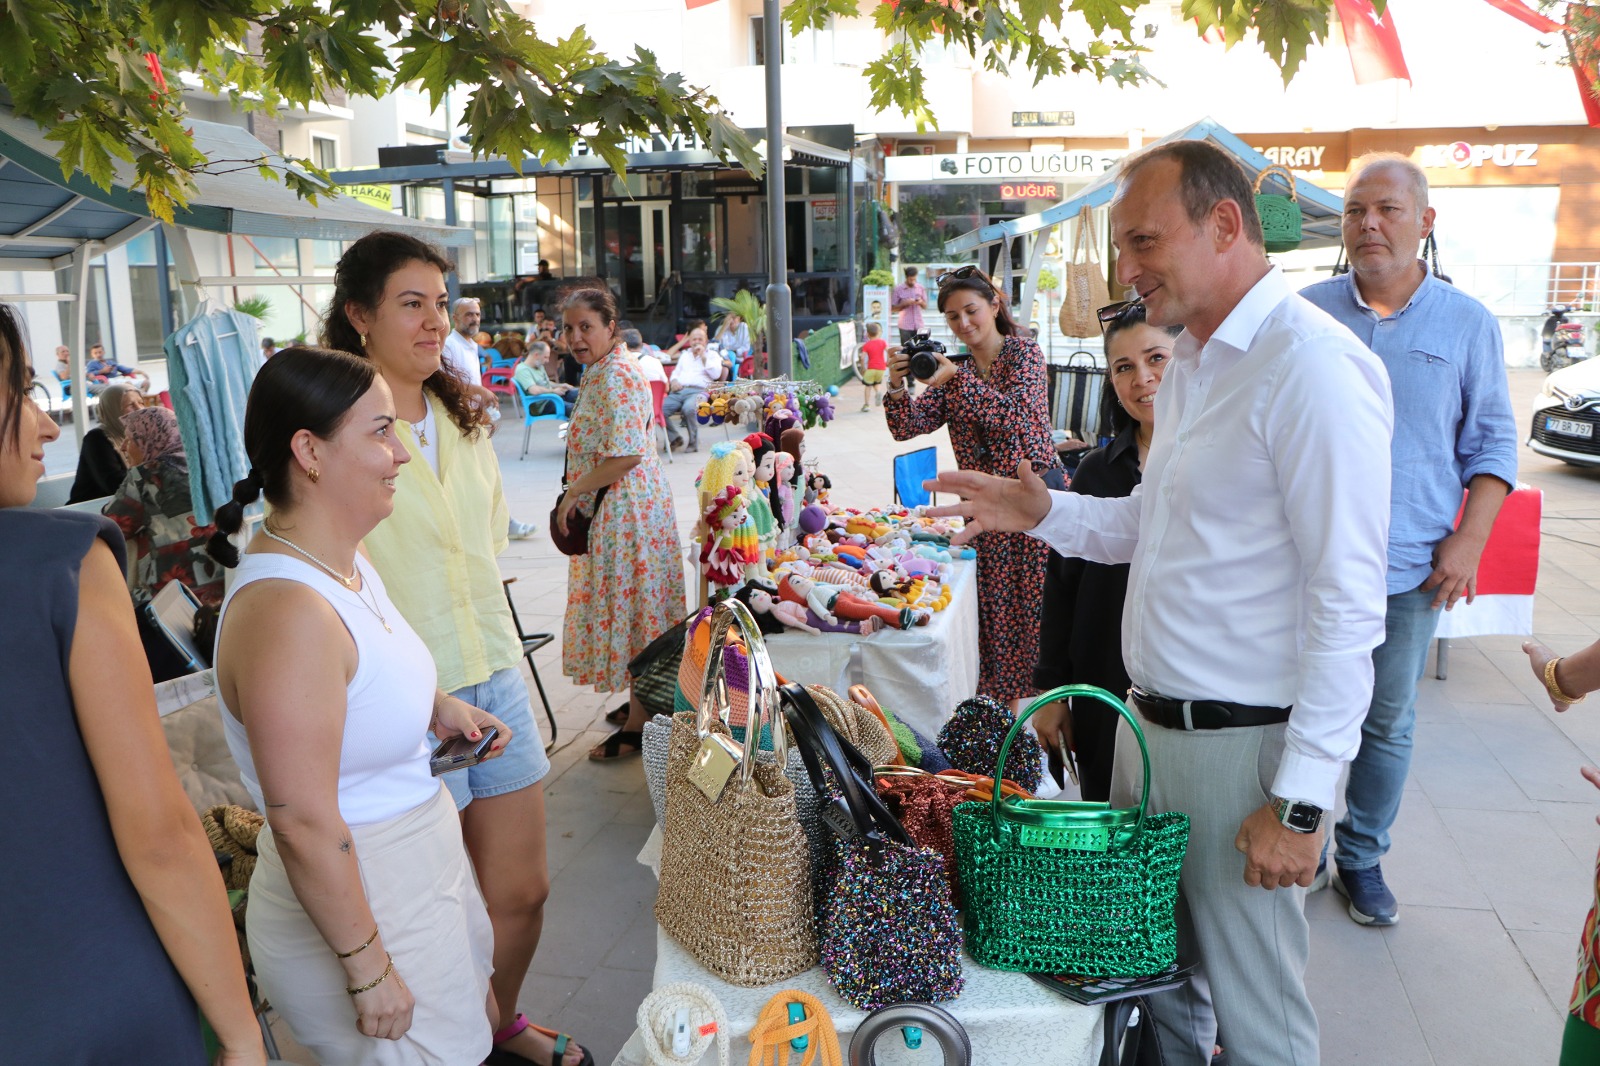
1203 714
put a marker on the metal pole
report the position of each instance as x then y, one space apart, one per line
780 326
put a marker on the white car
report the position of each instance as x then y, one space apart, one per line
1566 415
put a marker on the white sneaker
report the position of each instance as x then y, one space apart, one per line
522 530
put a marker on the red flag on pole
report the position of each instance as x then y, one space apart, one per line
692 4
1374 44
1523 13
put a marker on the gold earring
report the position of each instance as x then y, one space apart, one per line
363 340
314 474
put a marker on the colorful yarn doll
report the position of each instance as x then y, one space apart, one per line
764 454
730 544
784 508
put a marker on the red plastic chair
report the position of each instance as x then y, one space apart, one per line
658 395
498 379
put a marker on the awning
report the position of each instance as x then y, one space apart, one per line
1320 210
45 218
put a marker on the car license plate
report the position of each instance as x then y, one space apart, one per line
1569 427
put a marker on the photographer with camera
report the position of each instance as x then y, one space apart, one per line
992 398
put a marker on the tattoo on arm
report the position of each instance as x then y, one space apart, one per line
344 845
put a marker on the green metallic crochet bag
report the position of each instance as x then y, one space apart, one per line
1058 886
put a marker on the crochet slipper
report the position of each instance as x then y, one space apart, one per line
611 747
501 1057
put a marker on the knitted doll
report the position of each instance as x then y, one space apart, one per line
760 497
730 543
784 508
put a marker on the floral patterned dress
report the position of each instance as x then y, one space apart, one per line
628 589
156 515
994 423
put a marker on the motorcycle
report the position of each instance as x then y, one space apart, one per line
1561 342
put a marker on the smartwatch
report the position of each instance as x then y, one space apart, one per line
1297 816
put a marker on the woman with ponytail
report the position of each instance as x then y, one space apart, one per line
437 554
117 923
365 924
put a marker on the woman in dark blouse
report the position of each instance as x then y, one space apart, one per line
994 407
1080 631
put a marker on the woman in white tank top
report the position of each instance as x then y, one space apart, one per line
365 923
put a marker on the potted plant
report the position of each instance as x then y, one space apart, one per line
749 309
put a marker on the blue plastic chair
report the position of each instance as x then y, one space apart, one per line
551 409
911 469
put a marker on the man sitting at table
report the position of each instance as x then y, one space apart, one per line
101 371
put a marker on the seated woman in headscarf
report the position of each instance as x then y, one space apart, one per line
100 464
156 515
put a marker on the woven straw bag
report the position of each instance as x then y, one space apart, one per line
1085 290
735 867
1280 215
708 1024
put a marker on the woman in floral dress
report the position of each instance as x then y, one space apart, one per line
628 589
994 405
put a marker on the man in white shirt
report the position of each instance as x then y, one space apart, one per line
698 366
633 340
461 346
1257 540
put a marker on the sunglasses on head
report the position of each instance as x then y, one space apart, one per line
1121 311
962 274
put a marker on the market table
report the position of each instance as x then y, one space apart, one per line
1010 1019
920 674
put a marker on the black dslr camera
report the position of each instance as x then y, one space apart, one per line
922 351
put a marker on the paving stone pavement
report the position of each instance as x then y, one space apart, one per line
1493 851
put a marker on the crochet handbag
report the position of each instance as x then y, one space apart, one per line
886 923
735 870
1085 291
792 1017
703 1015
972 736
924 803
1055 886
1280 215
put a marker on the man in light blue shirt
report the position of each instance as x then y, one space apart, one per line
1453 429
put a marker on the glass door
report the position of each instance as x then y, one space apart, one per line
636 250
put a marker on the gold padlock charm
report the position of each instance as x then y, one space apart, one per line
714 763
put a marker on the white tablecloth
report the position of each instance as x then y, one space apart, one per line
1010 1019
920 674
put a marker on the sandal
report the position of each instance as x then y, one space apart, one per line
501 1057
610 749
618 716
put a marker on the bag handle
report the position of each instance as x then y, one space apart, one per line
1288 180
761 687
856 812
1048 813
1430 253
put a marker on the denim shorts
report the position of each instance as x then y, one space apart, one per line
523 763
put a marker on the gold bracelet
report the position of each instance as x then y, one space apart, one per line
370 985
359 950
1554 686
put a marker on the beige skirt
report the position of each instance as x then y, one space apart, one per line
422 891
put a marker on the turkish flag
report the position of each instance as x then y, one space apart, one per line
1374 45
1522 12
692 4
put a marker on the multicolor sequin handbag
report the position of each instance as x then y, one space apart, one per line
971 738
1056 886
735 871
887 926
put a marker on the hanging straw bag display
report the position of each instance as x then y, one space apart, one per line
887 926
1057 886
1280 215
735 871
1085 290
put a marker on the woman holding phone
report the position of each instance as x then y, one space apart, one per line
365 924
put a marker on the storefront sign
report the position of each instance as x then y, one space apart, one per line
1295 157
1042 118
975 167
1461 155
1031 190
379 196
824 210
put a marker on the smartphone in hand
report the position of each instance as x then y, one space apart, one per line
458 753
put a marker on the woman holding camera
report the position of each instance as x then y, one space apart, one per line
994 405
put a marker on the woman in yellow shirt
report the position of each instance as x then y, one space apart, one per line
437 556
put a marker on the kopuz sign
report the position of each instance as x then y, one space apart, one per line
1461 155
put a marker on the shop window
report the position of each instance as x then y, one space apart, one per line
325 254
699 183
698 235
269 252
824 179
325 151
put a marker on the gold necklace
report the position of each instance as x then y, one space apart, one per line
347 582
421 428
